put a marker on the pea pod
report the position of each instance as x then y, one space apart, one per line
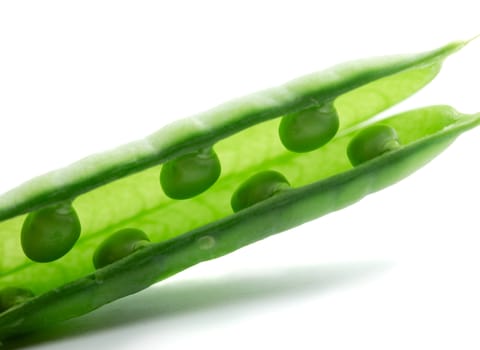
120 189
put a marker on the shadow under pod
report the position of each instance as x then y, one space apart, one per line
190 296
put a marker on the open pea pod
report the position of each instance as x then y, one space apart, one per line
117 222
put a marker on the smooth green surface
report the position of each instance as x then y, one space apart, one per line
257 188
50 233
119 245
310 129
12 296
322 180
372 142
190 174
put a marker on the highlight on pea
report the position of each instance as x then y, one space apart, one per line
119 245
257 188
50 233
372 142
309 129
191 174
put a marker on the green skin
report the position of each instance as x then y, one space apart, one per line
190 174
203 227
310 129
11 296
119 245
372 142
257 188
50 233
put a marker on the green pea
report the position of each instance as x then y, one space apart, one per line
119 245
12 296
372 142
258 188
310 129
191 174
50 233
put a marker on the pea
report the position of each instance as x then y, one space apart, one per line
372 142
310 129
120 188
12 296
50 233
191 174
119 245
257 188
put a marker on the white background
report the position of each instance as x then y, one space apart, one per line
399 270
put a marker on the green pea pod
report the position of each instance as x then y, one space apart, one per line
120 189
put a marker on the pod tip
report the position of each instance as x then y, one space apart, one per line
472 39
